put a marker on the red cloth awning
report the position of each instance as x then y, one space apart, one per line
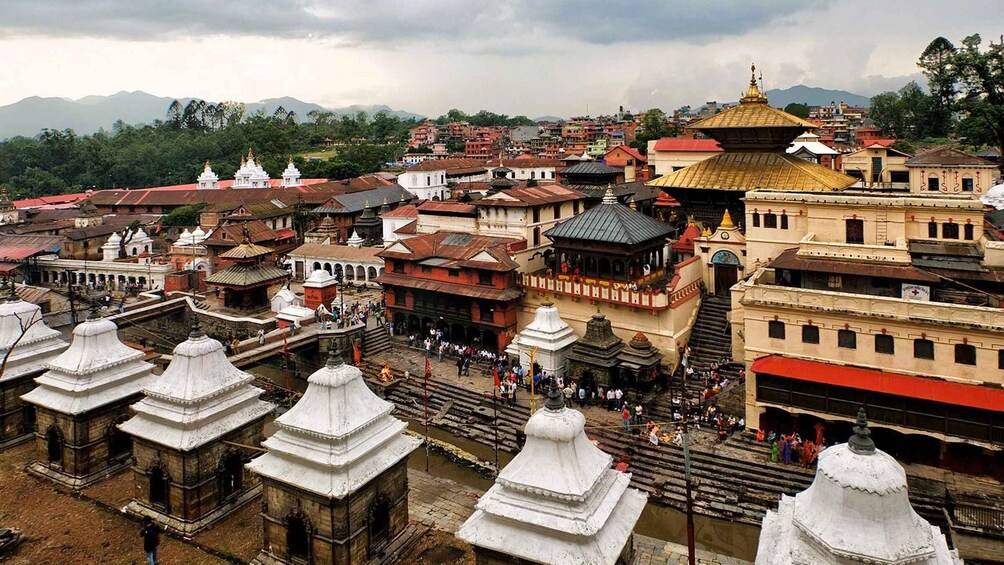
924 388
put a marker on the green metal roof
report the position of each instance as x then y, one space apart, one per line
611 222
247 275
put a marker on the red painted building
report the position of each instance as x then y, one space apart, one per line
460 283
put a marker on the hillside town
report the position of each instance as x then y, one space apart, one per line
727 334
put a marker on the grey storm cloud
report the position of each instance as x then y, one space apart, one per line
387 22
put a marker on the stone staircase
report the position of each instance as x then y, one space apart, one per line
710 340
375 340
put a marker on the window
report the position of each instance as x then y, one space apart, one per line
487 312
967 184
950 231
533 174
848 339
810 334
770 221
536 236
932 229
967 231
557 211
756 220
923 349
965 354
933 185
834 281
855 231
397 266
884 344
784 221
426 269
536 214
775 329
485 277
575 207
400 296
453 273
1000 358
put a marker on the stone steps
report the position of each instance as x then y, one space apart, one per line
375 340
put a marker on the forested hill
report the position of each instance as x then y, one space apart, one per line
173 151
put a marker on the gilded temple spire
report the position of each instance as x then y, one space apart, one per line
753 94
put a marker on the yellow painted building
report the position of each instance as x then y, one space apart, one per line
877 166
946 170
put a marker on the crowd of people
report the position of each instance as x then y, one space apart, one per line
352 314
791 448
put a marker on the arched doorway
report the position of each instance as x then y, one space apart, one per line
379 524
54 445
158 486
297 538
119 442
231 472
726 267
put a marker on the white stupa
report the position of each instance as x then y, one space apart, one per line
290 176
110 250
199 397
250 174
285 298
856 511
994 197
355 240
558 501
95 371
39 344
208 180
549 334
337 438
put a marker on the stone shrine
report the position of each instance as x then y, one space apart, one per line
80 400
856 510
27 343
336 473
639 362
549 336
594 359
558 501
187 436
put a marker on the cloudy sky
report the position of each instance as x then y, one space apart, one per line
532 57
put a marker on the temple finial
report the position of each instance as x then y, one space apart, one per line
752 74
334 356
555 398
861 442
196 329
93 314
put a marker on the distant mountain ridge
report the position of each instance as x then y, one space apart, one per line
813 96
91 113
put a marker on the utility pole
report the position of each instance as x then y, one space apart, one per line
425 392
686 469
495 422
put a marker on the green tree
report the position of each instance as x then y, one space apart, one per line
981 75
798 110
937 64
184 215
885 111
653 126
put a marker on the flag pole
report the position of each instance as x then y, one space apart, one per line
533 398
425 391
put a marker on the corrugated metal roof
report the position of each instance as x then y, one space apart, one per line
610 223
353 202
591 168
246 251
742 171
17 247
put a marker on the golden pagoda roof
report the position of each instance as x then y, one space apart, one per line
752 112
246 250
746 170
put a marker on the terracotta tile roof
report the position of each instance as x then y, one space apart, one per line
679 144
460 248
630 151
51 200
788 259
947 157
449 165
447 207
257 229
472 291
337 252
410 228
406 211
742 171
523 195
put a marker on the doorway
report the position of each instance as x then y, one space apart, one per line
726 276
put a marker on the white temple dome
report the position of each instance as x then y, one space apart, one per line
115 238
994 197
39 343
198 234
320 276
857 509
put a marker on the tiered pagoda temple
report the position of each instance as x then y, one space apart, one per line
547 339
335 476
369 227
558 501
26 344
611 242
857 510
189 435
595 358
80 400
754 137
245 284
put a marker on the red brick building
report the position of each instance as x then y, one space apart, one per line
625 156
460 283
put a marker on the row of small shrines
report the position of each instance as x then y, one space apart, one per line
333 478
